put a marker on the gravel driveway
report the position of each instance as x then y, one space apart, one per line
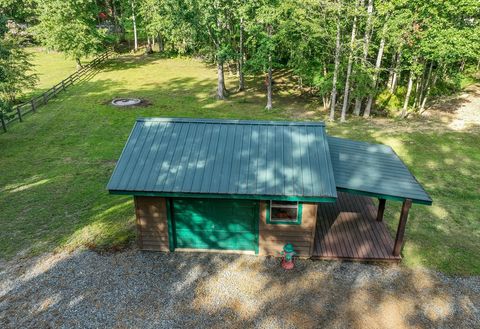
134 289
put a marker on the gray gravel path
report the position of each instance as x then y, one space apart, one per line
134 289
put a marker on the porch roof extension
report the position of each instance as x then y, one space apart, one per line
373 170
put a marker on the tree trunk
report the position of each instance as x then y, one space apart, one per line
241 79
378 63
417 91
221 81
153 42
134 27
79 63
349 69
429 87
391 70
269 84
325 97
425 81
407 96
160 43
358 106
393 85
335 72
366 44
149 46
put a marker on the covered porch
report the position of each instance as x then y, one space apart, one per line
350 229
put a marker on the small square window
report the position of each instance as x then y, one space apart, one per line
284 212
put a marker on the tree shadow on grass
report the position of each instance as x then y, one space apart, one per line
130 61
255 92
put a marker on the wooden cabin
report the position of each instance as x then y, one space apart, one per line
253 186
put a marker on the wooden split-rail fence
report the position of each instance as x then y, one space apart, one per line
20 110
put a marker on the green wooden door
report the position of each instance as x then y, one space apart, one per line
216 224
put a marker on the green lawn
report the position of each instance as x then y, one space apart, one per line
50 68
56 164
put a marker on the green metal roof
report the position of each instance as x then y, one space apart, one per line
256 160
226 158
375 170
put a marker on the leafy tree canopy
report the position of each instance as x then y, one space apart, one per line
71 27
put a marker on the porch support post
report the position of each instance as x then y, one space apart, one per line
401 227
381 209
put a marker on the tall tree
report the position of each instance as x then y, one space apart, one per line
70 27
411 79
378 63
350 63
15 68
241 77
212 22
264 36
134 23
366 45
337 63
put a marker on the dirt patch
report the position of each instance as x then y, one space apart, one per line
202 290
459 111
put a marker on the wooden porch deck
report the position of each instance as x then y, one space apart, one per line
348 229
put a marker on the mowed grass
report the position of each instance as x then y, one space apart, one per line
56 164
50 67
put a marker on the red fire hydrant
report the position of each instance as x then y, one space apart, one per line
287 256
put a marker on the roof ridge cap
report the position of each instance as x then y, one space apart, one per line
232 121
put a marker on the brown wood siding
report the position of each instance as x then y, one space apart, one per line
152 223
272 237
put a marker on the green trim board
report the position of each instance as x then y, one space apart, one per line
171 226
382 196
257 228
297 222
224 196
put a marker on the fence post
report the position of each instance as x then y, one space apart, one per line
19 114
44 98
33 104
4 126
54 90
63 85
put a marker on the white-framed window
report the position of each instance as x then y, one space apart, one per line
284 212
